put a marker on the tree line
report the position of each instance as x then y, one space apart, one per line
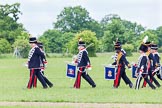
73 23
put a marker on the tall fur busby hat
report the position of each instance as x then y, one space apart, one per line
148 44
143 47
40 44
117 45
118 42
32 40
81 42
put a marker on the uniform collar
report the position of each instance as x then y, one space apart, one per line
82 49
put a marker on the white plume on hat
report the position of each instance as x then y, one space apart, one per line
80 39
145 39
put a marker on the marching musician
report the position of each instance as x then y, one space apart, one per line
34 63
122 50
154 49
120 62
142 67
152 66
43 63
83 63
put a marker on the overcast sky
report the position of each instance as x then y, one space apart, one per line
38 15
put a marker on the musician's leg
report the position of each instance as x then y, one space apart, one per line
40 78
154 80
78 79
31 79
88 79
126 79
118 77
150 84
35 82
46 79
138 80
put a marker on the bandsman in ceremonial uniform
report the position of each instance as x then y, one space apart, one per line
152 65
142 67
43 65
154 49
122 50
34 63
120 62
83 63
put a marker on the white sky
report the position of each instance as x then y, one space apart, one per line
39 15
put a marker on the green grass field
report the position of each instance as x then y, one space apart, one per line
14 77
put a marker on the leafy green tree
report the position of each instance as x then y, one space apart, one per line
134 27
94 26
107 42
159 34
9 28
10 10
67 37
112 31
55 41
24 35
76 19
152 37
89 37
126 31
128 48
107 19
22 47
44 39
132 33
5 46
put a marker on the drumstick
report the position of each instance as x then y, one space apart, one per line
89 45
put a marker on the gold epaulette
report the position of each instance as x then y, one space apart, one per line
148 53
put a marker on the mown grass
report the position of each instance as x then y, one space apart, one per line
14 77
37 107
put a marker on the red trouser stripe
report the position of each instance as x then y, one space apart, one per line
78 79
144 82
30 79
35 81
116 81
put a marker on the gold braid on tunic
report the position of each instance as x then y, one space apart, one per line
118 57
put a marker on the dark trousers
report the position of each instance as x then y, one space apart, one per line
45 79
34 84
121 74
145 79
82 72
152 79
33 73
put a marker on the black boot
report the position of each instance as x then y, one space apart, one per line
131 85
